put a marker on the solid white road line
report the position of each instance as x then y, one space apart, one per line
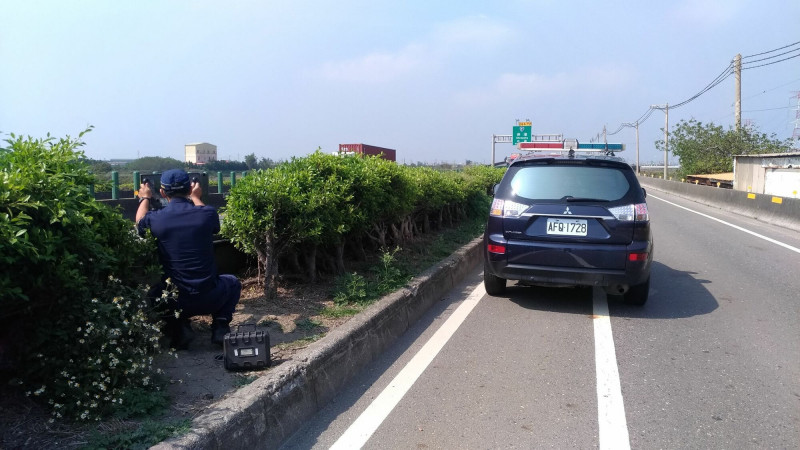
365 425
794 249
610 407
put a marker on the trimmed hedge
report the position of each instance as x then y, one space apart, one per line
326 203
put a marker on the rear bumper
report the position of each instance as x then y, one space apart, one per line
629 274
569 275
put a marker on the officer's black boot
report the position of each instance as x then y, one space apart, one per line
219 328
181 334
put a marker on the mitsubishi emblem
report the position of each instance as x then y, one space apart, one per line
567 211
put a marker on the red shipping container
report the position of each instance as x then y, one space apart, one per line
371 150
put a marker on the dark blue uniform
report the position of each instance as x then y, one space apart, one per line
185 234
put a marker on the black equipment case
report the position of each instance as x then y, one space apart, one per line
246 350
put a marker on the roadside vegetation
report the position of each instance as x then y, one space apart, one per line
709 148
78 335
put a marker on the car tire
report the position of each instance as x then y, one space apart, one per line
494 285
638 294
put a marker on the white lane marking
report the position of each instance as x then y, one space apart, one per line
365 425
610 407
794 249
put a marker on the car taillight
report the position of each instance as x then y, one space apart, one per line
641 212
629 213
506 208
637 256
499 249
497 207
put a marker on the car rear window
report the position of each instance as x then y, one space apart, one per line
548 182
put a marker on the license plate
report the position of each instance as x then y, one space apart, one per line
567 227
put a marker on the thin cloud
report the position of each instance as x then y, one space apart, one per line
706 12
376 67
471 31
445 40
533 85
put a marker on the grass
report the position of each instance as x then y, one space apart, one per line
307 324
243 380
300 342
337 311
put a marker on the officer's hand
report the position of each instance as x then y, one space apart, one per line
145 191
197 190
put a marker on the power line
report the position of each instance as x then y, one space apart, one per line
775 50
720 78
768 109
770 63
728 71
771 57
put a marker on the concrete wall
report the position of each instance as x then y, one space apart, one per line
779 211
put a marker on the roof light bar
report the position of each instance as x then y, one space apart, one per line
567 144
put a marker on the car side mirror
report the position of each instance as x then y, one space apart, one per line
494 190
644 192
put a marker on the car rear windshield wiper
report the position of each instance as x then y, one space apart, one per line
570 198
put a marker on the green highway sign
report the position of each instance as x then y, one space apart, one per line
522 133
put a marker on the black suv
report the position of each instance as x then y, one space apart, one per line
569 220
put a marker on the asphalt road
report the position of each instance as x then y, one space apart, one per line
711 361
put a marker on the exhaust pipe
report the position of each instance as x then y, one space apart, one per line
616 289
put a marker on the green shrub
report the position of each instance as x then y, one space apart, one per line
388 276
351 288
73 310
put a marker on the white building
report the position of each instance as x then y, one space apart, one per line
200 153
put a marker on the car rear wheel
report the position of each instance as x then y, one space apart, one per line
494 285
638 294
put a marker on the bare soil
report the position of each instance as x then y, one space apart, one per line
197 376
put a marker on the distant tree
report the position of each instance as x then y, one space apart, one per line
266 163
99 167
251 161
708 148
222 166
154 164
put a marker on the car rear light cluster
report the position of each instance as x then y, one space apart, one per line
637 256
498 249
506 208
629 213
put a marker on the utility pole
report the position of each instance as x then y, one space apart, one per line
635 125
666 138
637 148
493 141
737 70
665 108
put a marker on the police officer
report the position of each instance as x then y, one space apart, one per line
184 231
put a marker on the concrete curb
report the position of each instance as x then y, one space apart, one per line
269 410
780 211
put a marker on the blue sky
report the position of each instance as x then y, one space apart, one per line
433 80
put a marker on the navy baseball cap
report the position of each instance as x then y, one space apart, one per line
175 180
